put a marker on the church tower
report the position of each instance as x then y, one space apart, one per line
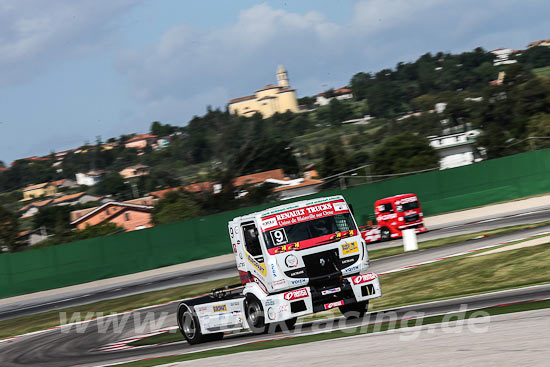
282 76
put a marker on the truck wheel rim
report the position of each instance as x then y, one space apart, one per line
253 312
189 325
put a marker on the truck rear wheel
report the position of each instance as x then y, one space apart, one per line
254 313
190 328
354 310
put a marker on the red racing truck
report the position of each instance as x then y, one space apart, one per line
393 215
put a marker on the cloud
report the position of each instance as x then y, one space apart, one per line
36 34
189 68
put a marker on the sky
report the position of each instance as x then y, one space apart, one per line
71 71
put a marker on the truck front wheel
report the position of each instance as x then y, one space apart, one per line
254 313
354 310
385 234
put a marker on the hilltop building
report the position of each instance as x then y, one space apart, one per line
268 100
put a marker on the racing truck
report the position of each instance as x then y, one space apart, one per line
293 260
393 215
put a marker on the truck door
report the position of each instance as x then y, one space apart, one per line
254 254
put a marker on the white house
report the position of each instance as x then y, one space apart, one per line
340 94
502 56
89 178
456 150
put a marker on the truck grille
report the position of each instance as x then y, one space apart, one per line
322 263
411 218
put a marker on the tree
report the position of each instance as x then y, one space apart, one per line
539 126
335 159
404 153
113 184
2 165
161 130
9 230
55 219
175 207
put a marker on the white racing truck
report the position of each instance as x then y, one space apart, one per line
293 260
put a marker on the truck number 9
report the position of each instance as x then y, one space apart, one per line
279 236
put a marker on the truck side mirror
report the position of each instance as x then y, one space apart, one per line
351 209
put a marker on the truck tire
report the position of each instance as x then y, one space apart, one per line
254 313
190 327
354 310
385 234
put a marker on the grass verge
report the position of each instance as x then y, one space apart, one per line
493 311
392 251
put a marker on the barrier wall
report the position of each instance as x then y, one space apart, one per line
98 258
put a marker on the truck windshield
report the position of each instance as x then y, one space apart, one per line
409 206
309 230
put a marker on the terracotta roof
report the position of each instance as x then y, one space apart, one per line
146 200
200 187
36 187
68 197
3 169
242 99
338 92
75 219
36 204
259 177
161 194
34 158
306 182
267 87
141 137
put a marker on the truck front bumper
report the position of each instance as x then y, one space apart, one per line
312 299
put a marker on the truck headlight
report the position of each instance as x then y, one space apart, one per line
291 261
271 313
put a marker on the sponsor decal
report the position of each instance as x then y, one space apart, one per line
350 248
364 278
342 235
408 200
297 294
219 308
258 266
328 306
286 248
330 291
279 283
283 308
341 206
269 223
202 308
274 271
348 260
351 270
386 217
294 214
234 248
298 282
270 302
